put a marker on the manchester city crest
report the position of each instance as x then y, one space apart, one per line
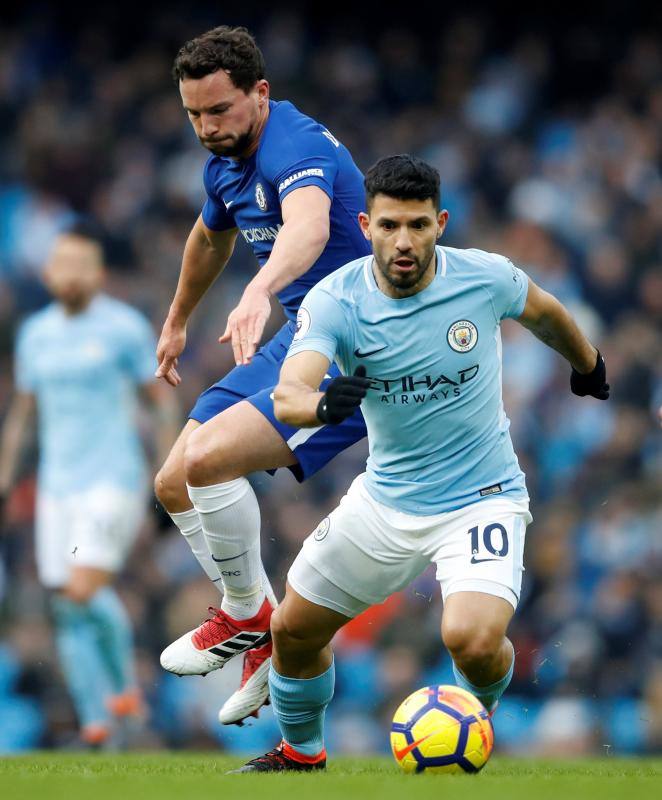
322 529
260 197
462 336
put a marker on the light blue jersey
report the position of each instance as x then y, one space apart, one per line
84 370
437 429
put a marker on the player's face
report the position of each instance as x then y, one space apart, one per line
226 119
74 272
403 235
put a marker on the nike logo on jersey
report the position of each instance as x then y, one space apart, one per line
227 205
475 560
232 558
400 754
359 354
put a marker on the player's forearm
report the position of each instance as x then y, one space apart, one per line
296 404
12 439
299 244
556 328
202 262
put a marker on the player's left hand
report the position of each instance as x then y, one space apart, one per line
246 323
594 383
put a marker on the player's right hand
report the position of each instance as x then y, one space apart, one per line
343 396
171 345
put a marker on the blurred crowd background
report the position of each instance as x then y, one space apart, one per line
548 135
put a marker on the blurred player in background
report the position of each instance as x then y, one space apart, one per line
442 484
81 362
294 193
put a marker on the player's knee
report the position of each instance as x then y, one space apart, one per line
170 488
80 592
197 458
289 638
470 643
208 461
280 633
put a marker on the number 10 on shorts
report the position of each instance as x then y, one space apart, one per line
494 540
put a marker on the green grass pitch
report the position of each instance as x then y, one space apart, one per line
166 776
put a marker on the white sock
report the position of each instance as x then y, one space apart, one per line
190 527
230 518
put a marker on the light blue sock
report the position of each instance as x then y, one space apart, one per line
82 664
488 695
115 638
299 705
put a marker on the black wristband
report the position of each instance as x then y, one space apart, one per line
321 412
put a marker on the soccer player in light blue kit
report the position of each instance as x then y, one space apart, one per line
82 362
293 192
415 329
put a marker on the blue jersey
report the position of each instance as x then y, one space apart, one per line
437 430
294 151
84 370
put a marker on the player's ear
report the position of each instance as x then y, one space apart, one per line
262 89
442 219
364 222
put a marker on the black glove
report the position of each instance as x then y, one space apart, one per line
595 383
342 397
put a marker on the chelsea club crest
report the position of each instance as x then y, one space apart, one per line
260 197
462 336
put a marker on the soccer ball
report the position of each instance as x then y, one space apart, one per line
441 729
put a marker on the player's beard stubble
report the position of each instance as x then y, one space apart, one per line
232 145
405 283
233 149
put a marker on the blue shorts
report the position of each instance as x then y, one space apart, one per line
255 382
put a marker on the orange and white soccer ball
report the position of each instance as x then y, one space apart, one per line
441 729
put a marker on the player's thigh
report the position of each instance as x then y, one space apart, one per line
313 448
105 524
53 520
234 443
356 557
480 548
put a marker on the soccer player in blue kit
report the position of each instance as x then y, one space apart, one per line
415 328
293 192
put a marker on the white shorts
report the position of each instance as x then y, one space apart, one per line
95 528
364 551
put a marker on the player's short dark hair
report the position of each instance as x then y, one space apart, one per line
88 229
231 49
404 177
